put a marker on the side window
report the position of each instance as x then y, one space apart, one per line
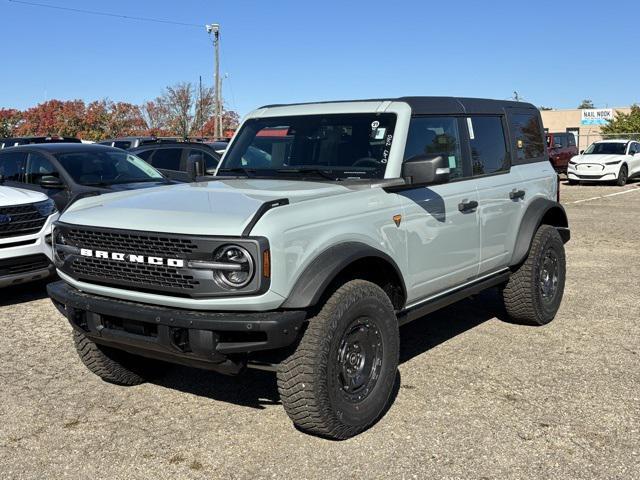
167 158
436 136
12 166
145 155
39 166
488 147
527 132
571 140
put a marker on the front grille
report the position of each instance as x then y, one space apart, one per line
109 263
24 220
26 264
134 243
112 271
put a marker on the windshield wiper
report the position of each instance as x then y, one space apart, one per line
317 171
247 172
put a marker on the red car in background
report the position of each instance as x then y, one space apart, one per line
561 147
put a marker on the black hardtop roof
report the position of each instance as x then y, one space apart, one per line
438 105
60 147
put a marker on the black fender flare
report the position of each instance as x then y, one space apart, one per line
532 219
318 275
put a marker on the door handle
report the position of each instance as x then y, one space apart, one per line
465 206
515 194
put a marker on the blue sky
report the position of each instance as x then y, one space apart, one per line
553 53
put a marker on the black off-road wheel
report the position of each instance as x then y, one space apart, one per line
534 291
623 176
338 381
116 366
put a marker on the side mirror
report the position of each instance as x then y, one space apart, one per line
426 170
581 152
49 181
198 168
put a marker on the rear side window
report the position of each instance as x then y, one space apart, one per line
571 140
488 146
436 136
527 132
12 166
167 158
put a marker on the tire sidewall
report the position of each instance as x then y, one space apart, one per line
546 311
380 313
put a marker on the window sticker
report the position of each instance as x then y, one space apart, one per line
470 125
375 124
452 161
380 133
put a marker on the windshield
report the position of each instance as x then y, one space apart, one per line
333 147
105 167
606 148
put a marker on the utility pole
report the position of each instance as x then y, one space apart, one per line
214 29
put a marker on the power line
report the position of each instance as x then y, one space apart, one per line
106 14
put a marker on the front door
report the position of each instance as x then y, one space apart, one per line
440 222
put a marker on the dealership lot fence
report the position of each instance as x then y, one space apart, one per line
584 140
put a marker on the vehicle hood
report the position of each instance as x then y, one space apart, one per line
597 158
222 207
18 196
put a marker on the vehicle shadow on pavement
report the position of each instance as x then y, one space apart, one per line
258 389
24 293
254 388
428 332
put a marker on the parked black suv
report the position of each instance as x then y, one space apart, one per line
180 161
68 171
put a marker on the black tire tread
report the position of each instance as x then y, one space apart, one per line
519 292
103 365
302 392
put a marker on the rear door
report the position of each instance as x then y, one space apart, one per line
441 222
500 192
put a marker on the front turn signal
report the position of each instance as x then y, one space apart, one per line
266 264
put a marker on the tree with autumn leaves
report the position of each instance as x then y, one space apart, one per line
182 110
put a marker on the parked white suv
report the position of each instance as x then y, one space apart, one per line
606 161
25 225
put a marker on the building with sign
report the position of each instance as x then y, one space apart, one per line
585 124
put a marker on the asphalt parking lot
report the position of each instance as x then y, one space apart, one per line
477 397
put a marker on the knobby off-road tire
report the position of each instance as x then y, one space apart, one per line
339 379
534 291
623 176
115 366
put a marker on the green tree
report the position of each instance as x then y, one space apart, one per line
586 103
624 122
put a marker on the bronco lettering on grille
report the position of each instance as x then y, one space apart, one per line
169 262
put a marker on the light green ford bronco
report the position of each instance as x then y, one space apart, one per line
328 226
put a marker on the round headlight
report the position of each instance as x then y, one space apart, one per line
239 266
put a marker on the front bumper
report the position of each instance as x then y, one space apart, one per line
593 172
211 340
26 258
